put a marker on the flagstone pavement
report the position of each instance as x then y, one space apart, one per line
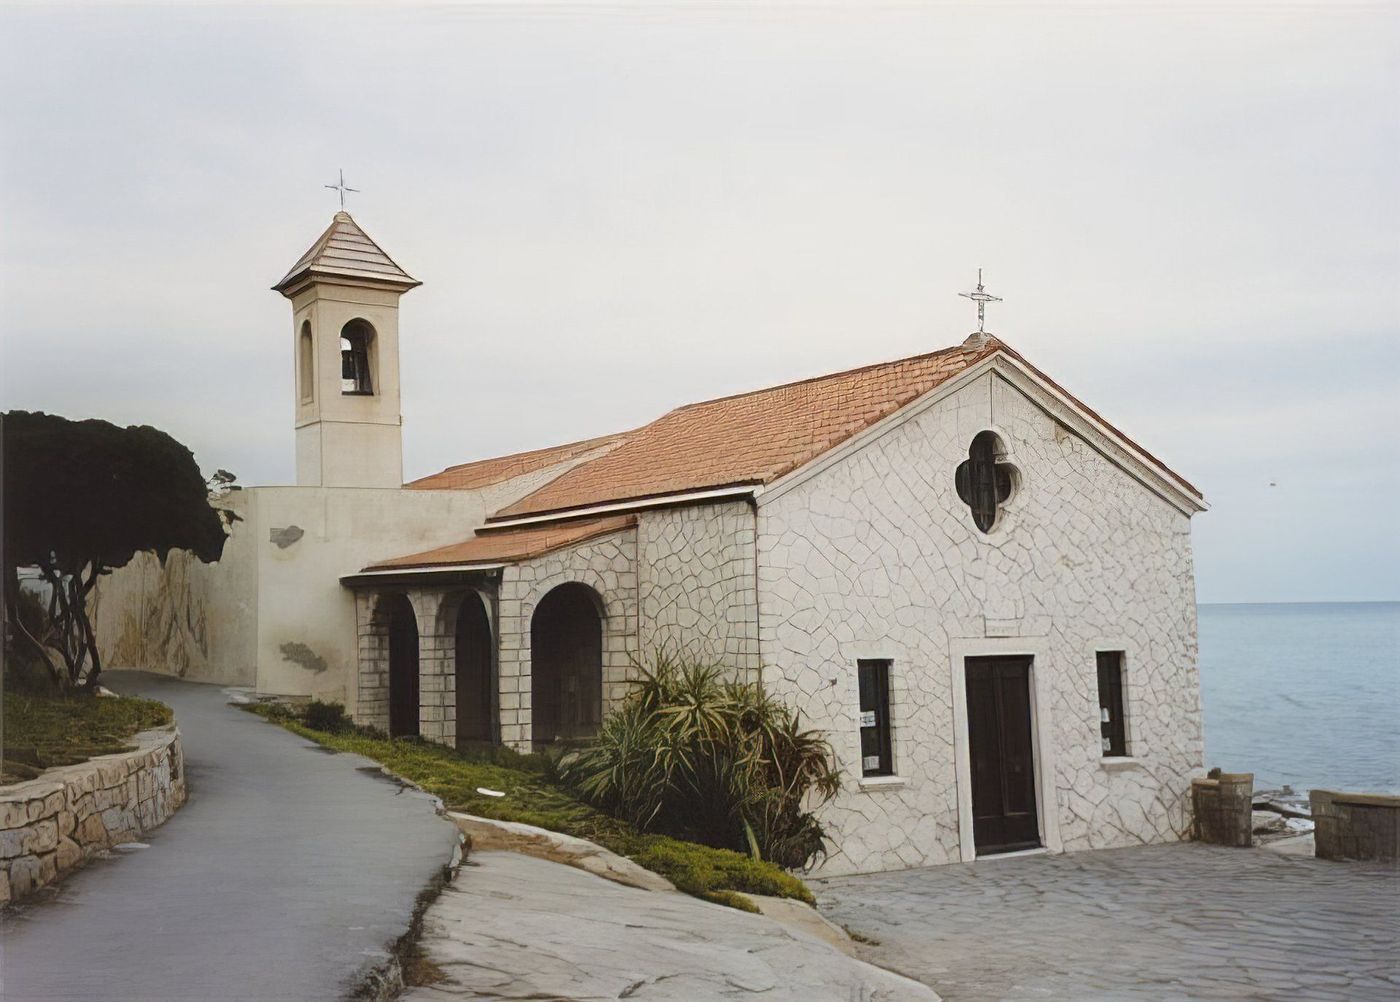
1185 921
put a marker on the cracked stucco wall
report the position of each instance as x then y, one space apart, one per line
185 618
877 557
697 585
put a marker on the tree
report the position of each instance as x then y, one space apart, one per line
82 498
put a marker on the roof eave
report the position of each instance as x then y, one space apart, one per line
444 574
296 282
674 499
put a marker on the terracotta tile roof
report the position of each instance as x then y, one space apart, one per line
503 546
345 251
485 472
750 438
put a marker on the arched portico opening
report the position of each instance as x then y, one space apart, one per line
403 666
566 665
475 679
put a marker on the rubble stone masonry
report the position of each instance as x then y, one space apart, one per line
54 823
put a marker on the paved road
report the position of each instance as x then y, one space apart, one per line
283 877
1183 921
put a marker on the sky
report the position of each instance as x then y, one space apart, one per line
1192 213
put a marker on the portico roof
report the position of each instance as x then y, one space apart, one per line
505 546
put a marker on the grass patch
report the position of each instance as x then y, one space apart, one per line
46 729
532 797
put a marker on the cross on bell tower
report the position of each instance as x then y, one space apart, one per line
340 187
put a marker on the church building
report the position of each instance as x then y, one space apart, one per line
974 585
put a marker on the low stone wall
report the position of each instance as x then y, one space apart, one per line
1355 825
1223 808
54 823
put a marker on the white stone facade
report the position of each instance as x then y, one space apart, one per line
608 566
876 556
699 585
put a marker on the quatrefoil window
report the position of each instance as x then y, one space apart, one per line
983 483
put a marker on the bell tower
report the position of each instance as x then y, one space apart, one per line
345 335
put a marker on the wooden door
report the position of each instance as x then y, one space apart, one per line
1003 764
403 669
474 686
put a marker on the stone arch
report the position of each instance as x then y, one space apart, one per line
566 663
464 621
400 624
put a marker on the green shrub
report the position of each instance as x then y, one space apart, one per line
46 729
533 797
280 712
731 899
721 763
326 716
702 870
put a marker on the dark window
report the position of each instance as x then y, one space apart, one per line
306 363
355 338
875 756
982 482
1111 720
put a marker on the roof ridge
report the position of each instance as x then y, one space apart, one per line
823 377
373 243
600 439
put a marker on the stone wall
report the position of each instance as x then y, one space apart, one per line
54 823
608 565
876 556
1355 825
697 584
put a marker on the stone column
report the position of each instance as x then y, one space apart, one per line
513 660
1223 804
372 675
437 666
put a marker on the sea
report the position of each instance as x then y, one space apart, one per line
1304 695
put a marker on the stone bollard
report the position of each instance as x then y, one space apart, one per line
1223 808
1355 825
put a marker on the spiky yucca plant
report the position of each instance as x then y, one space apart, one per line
723 763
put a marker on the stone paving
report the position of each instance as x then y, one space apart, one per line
517 927
1181 921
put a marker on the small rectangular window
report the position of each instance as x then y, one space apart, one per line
1112 731
875 755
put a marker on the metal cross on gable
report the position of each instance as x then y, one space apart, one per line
341 188
981 297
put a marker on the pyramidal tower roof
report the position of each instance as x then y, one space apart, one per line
345 251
